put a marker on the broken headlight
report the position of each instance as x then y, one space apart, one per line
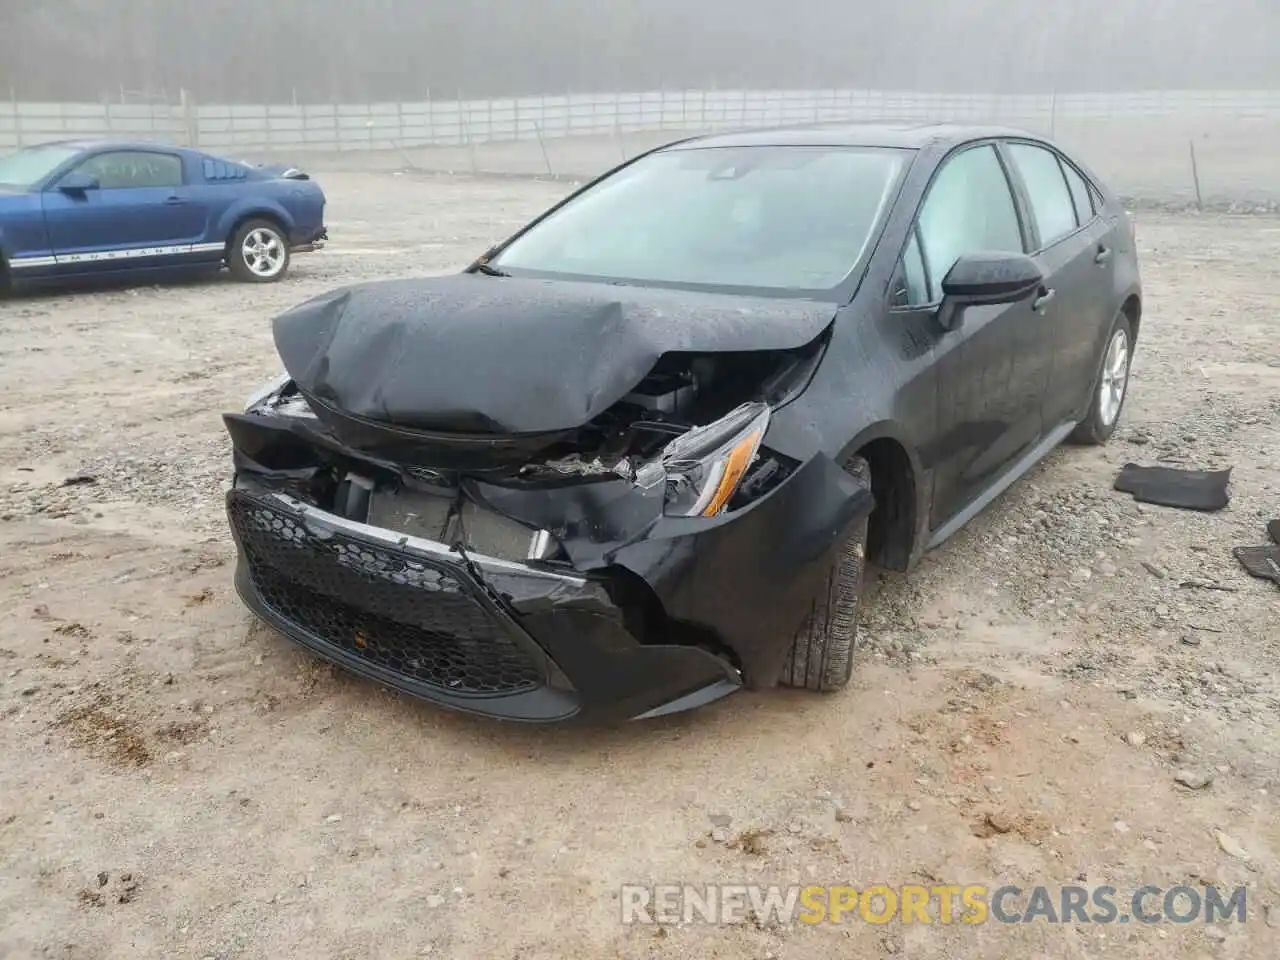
703 468
281 398
262 393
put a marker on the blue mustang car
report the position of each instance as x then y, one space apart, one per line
79 208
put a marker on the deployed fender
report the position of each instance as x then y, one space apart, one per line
469 353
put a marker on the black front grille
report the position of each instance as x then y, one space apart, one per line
385 606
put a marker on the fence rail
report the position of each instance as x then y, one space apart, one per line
1143 143
458 121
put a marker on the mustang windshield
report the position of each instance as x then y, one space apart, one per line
25 168
796 218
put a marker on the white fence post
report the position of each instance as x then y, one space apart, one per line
17 117
463 116
190 117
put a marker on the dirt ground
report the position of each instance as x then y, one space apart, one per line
180 782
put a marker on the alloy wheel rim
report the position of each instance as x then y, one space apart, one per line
263 252
1115 378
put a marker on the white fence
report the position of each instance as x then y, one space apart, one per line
374 126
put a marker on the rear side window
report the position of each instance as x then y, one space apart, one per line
1051 204
969 209
217 171
1080 194
124 169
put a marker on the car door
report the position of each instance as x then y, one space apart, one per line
137 213
1072 249
993 369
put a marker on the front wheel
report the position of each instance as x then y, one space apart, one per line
822 652
1112 387
258 252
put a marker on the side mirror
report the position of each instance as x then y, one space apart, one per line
984 279
78 183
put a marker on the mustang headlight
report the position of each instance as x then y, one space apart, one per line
703 468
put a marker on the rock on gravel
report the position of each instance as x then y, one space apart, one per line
1194 779
1231 846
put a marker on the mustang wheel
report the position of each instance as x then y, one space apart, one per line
821 656
258 252
1112 386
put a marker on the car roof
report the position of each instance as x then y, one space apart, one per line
117 145
905 135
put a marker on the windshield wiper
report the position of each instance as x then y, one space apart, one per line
489 271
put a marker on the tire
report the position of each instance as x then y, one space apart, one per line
822 653
258 252
1106 406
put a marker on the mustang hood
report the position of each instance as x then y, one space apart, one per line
477 354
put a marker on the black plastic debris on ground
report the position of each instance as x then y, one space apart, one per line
1204 490
1263 562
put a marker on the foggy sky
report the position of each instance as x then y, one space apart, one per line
252 51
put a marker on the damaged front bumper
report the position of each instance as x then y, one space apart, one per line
648 615
473 633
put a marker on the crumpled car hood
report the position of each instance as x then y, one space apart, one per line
478 354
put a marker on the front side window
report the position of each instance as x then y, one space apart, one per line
124 169
780 218
913 285
23 169
969 209
1051 204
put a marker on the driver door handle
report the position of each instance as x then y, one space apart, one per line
174 201
1042 301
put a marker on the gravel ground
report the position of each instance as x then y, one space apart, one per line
179 781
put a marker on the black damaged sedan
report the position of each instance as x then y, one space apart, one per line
635 457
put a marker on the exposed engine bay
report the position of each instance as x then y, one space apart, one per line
689 435
680 395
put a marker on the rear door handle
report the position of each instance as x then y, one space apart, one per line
1103 255
1043 300
174 201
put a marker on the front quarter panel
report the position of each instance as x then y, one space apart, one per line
714 573
876 379
24 241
